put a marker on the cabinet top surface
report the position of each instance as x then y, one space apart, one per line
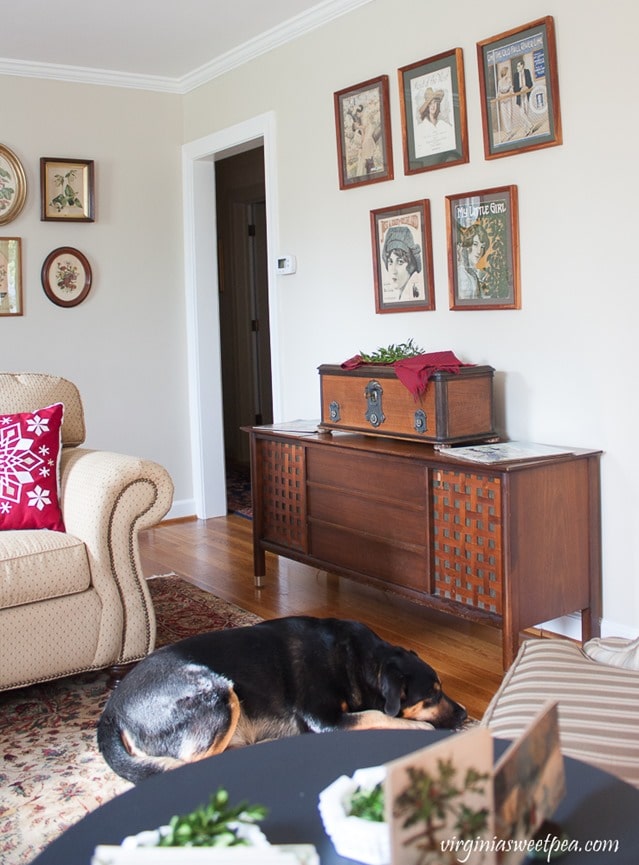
308 432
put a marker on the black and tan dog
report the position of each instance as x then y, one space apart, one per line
278 678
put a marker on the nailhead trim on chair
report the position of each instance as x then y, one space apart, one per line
133 563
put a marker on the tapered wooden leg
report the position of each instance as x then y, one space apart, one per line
117 672
259 565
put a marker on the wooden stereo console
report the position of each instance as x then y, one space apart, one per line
512 544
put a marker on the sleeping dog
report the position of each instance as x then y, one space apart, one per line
278 678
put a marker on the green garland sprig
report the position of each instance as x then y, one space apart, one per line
391 353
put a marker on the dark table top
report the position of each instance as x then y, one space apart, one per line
287 776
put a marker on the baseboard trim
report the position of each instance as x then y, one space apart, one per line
181 510
570 626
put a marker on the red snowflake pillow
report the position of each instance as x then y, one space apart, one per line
30 447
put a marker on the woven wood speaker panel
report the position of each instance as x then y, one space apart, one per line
284 494
467 539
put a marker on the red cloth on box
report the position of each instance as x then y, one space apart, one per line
415 372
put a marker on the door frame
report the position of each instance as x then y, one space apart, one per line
202 308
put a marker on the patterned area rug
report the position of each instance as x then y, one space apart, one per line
51 773
238 490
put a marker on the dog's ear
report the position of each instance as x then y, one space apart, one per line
393 688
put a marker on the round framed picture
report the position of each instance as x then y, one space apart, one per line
66 276
13 185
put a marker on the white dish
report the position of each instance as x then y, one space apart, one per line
353 837
151 838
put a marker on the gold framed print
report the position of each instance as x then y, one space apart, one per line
10 276
13 185
66 190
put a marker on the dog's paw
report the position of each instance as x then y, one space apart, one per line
408 724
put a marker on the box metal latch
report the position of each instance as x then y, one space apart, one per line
374 413
420 421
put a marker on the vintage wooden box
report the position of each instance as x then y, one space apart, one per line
456 407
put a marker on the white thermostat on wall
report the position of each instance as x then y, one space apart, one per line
286 264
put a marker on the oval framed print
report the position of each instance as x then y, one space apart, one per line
13 185
66 276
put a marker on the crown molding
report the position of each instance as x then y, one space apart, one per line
265 42
82 75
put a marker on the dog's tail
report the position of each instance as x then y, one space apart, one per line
123 757
128 758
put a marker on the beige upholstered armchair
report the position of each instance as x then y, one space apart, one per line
71 600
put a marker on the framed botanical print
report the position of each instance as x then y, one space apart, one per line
13 185
483 249
362 122
520 90
403 258
10 276
433 108
66 190
66 276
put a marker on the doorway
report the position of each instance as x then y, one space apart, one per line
244 311
202 302
243 297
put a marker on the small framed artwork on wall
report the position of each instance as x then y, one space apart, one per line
433 108
66 276
403 258
13 185
483 249
66 190
10 276
520 90
362 122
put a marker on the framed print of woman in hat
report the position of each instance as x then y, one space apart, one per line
403 258
433 108
434 133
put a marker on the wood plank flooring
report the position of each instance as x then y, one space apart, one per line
217 555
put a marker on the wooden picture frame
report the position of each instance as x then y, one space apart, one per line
520 90
66 276
66 190
433 108
403 258
10 276
483 249
362 123
13 185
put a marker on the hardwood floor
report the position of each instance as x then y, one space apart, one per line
217 555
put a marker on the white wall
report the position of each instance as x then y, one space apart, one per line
124 346
565 360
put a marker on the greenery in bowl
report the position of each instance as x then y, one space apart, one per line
368 804
214 825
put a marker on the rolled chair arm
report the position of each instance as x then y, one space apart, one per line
107 499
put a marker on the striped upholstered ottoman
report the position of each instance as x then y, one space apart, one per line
598 704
